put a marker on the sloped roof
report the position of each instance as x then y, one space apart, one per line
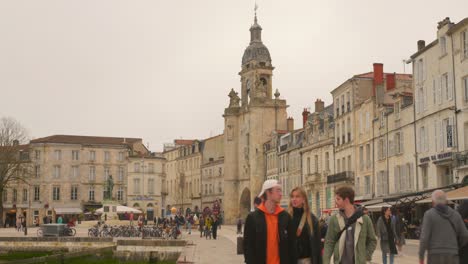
72 139
399 76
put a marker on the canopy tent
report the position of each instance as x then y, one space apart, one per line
68 210
457 194
121 209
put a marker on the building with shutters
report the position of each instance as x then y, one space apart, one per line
435 109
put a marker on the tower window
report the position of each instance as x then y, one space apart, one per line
262 64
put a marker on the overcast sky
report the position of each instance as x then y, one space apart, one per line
161 70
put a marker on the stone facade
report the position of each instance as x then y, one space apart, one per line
317 154
212 172
183 175
144 184
69 175
435 110
249 121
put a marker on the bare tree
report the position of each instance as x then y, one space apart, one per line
14 157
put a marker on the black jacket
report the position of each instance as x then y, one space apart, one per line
255 238
314 240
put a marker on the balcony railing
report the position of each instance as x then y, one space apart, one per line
313 177
346 176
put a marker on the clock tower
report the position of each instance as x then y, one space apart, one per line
249 122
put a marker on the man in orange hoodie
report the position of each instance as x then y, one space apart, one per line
268 234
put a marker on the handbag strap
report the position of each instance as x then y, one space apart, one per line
301 224
454 230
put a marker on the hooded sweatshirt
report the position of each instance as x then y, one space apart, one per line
437 235
272 243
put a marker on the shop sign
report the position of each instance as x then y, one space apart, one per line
438 157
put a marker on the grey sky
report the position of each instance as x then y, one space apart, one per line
162 70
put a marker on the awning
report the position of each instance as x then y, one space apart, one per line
457 194
68 210
378 207
120 210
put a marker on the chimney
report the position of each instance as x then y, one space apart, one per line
421 44
305 115
319 105
391 81
378 73
378 89
290 123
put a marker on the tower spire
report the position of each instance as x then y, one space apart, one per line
255 12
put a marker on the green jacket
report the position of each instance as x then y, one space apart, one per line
365 240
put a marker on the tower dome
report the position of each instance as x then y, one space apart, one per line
256 51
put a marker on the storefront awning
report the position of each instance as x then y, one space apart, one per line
457 194
378 207
68 210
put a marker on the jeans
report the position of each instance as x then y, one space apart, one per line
384 258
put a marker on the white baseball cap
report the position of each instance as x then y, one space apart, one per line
268 184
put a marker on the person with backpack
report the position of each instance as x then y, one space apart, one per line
343 230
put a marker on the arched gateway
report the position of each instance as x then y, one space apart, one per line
244 203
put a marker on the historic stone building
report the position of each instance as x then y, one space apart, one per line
435 107
458 51
212 172
69 175
379 142
249 122
183 180
317 155
346 97
144 184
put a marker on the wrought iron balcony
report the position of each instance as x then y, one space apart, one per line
345 176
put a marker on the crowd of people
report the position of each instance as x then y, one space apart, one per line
273 235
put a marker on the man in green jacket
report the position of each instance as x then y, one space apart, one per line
350 236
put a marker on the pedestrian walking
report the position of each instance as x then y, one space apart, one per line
307 236
268 233
214 227
443 232
60 220
387 234
201 225
346 226
239 225
208 224
399 230
131 218
189 224
463 210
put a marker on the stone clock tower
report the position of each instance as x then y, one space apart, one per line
248 123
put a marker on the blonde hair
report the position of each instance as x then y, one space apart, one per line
306 207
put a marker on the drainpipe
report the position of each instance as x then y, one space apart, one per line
455 110
415 141
373 159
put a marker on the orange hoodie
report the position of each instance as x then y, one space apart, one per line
272 241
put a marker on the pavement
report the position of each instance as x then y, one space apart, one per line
222 250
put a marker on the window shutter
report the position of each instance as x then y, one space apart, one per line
385 154
390 148
416 101
396 171
441 135
450 86
423 65
418 141
410 175
426 137
454 131
401 142
403 178
436 129
439 90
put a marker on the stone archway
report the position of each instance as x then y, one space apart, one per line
244 203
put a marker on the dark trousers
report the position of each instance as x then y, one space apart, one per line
215 231
443 259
